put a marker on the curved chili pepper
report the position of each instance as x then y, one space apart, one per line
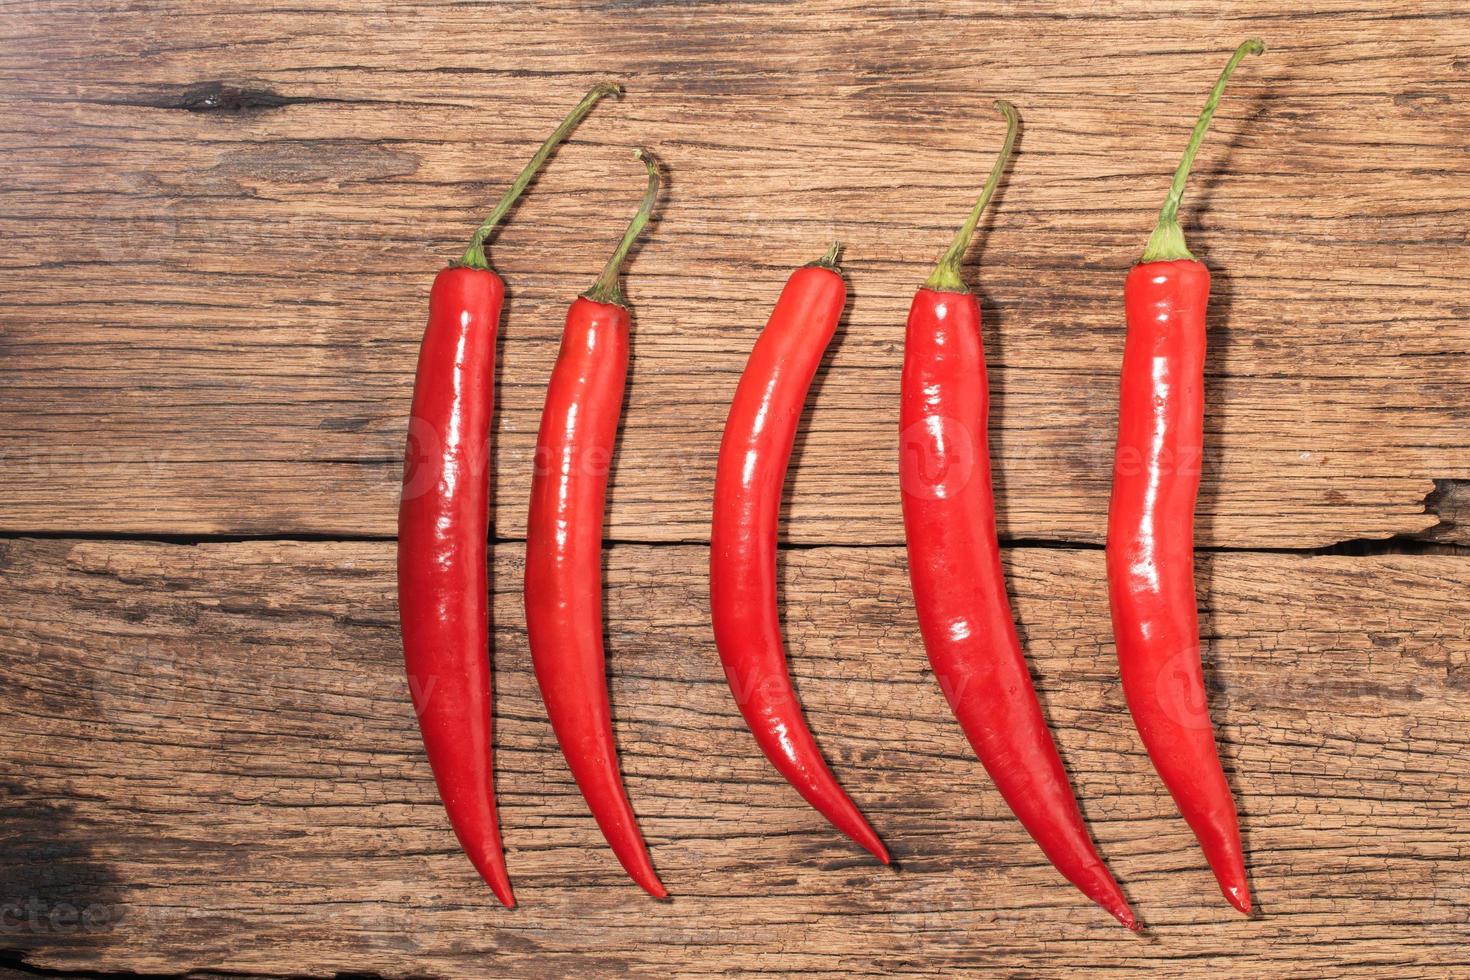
443 527
754 453
954 565
563 589
1150 555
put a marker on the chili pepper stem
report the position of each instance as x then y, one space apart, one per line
1166 244
829 259
474 255
946 275
606 288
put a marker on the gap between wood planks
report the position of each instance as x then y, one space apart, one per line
1399 544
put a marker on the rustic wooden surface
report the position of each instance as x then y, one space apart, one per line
219 748
219 227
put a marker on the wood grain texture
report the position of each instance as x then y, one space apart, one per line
220 229
213 751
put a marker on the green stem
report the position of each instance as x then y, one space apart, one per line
829 260
946 275
1166 244
606 288
474 256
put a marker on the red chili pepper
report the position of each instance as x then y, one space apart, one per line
563 591
754 452
443 527
1151 524
954 564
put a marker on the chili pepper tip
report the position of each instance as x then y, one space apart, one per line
603 90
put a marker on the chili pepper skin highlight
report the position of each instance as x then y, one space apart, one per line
1150 551
563 586
754 453
443 527
955 569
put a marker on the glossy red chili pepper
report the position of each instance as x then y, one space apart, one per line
1150 553
754 453
954 565
443 527
563 589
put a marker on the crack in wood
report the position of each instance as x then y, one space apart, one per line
14 965
216 96
1399 544
1450 502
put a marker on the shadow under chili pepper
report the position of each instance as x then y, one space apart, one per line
993 339
817 849
614 466
667 185
499 669
1211 498
1205 184
497 378
803 431
788 493
1211 492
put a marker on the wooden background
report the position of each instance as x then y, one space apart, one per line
219 226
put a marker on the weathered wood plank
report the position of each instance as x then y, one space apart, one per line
210 748
213 315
